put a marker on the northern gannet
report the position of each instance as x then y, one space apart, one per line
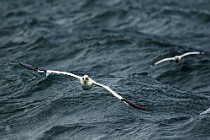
86 82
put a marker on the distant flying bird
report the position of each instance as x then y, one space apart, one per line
177 58
86 83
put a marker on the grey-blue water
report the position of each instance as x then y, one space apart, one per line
115 42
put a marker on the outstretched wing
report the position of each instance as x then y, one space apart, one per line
205 112
120 97
62 73
48 71
165 59
189 53
31 68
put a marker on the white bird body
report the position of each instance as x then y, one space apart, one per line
86 82
177 58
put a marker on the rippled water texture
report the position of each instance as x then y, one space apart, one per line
115 42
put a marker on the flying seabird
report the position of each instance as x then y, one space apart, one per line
177 58
86 82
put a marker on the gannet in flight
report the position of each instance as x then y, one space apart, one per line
178 57
86 82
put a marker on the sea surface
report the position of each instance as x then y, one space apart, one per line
115 42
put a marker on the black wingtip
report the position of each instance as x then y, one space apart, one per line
135 105
144 73
30 67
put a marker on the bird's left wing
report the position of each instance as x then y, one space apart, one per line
120 97
189 53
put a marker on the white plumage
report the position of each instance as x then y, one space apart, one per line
86 82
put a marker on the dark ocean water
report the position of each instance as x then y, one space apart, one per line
114 42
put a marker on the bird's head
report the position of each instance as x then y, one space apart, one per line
85 78
86 82
177 58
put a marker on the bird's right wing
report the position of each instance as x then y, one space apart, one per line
48 72
190 53
163 60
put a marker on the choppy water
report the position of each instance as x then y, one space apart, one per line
114 42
